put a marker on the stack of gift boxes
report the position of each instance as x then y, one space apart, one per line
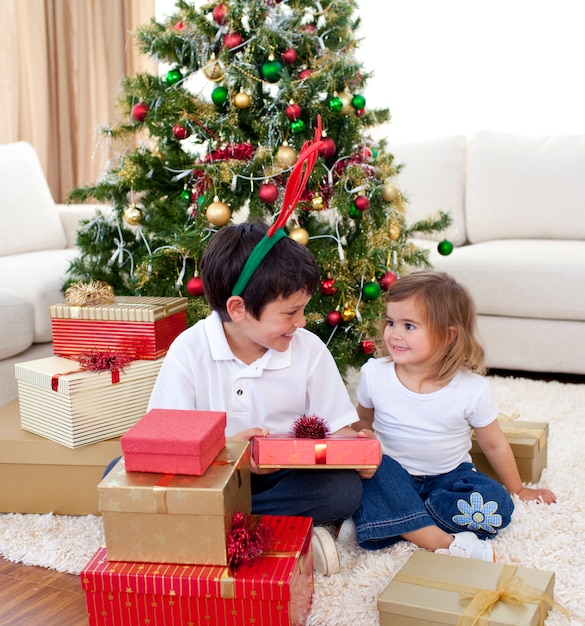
107 357
169 507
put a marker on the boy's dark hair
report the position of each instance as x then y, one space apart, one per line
289 267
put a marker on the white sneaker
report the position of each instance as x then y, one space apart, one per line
347 532
468 545
325 557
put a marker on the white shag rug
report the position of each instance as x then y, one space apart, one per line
540 536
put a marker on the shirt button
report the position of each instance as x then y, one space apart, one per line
239 392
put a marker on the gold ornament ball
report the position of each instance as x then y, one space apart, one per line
346 97
348 314
300 235
242 100
389 192
133 215
394 232
213 71
286 156
317 202
218 213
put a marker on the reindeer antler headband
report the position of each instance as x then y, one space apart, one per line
292 193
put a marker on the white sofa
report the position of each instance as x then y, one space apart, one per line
518 208
37 240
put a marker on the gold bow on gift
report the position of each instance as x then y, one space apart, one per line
94 292
510 589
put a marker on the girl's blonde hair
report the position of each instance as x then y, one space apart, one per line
444 304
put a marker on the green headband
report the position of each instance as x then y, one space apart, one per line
256 257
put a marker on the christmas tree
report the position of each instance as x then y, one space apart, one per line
214 139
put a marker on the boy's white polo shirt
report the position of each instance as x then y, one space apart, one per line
201 372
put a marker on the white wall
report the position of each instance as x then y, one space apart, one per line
458 66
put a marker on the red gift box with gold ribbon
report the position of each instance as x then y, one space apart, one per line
142 327
282 451
274 589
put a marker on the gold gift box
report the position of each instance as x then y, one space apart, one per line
41 476
529 443
436 588
174 518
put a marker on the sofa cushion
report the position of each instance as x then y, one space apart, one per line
523 187
433 179
29 220
38 277
521 278
16 323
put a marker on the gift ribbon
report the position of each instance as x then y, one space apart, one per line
55 378
510 589
320 453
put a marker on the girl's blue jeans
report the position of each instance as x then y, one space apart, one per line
394 503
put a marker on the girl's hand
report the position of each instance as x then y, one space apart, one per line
368 434
542 495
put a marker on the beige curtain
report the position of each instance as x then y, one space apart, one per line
61 65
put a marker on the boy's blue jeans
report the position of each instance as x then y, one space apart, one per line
394 503
328 496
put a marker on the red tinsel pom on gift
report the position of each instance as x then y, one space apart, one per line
310 427
247 539
104 360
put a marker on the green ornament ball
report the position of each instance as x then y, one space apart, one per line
271 71
219 96
173 76
445 247
186 195
336 104
297 126
358 102
353 211
371 290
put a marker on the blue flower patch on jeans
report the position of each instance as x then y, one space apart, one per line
478 515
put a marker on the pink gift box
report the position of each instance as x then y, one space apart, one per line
329 453
171 441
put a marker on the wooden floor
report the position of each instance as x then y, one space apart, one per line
35 596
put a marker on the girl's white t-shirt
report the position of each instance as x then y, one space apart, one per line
427 433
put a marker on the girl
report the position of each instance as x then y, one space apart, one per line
423 402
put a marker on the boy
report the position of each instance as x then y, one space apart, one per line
253 359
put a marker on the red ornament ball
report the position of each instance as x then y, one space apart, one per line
195 286
180 132
179 26
232 40
334 318
293 111
268 193
220 12
362 203
304 74
328 148
387 280
368 346
328 287
139 111
289 56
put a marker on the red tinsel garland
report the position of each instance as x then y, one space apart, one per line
237 151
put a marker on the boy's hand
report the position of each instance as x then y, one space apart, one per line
246 435
542 495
